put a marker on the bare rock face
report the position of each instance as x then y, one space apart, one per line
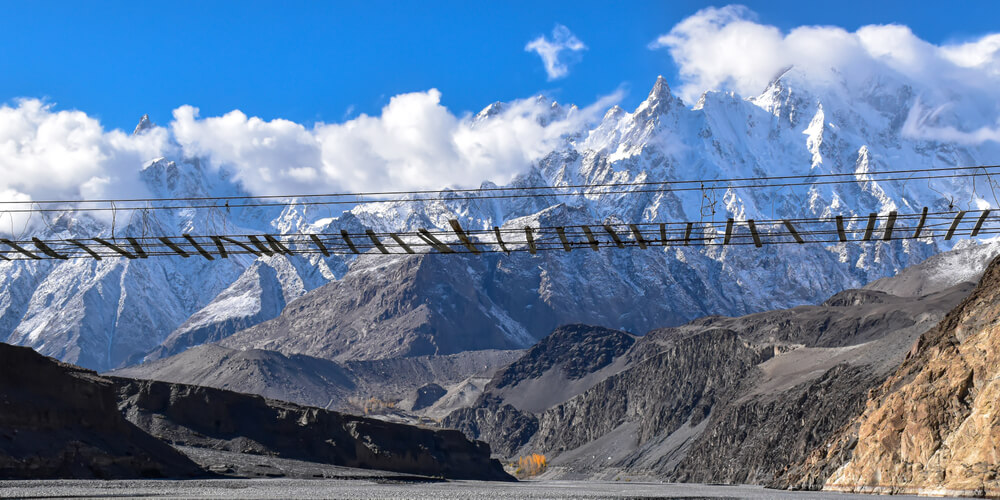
61 421
933 427
202 417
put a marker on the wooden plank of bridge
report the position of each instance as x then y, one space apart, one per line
753 233
638 236
729 232
85 248
222 248
197 247
872 218
889 223
119 250
791 229
594 244
277 245
920 224
375 240
319 244
173 246
431 240
137 248
464 238
347 239
614 236
41 246
954 225
979 223
531 240
840 228
687 233
402 244
562 237
503 246
19 248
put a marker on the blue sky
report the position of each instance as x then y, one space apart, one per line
325 61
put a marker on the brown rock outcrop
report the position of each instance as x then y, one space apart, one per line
933 427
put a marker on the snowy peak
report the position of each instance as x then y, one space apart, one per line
144 124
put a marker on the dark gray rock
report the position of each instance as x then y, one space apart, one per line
61 421
428 395
203 417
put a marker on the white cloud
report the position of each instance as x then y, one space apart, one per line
728 49
556 66
46 154
416 143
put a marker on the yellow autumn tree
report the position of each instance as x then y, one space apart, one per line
531 465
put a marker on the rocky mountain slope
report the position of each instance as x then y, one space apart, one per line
105 314
61 421
297 378
720 399
932 427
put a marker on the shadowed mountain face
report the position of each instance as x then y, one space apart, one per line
60 421
933 426
719 399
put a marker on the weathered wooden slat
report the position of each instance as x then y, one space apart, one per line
121 251
20 249
729 232
614 236
85 248
402 244
464 238
687 233
562 237
503 246
198 247
220 245
753 233
378 244
791 229
663 234
347 239
47 250
889 224
173 246
638 236
591 240
277 245
530 239
920 224
137 248
870 228
319 244
979 223
840 228
431 240
261 247
954 225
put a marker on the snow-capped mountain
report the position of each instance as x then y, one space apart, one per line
102 314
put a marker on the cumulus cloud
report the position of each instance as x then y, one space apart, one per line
552 51
47 154
416 143
729 49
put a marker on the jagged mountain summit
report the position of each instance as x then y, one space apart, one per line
105 314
